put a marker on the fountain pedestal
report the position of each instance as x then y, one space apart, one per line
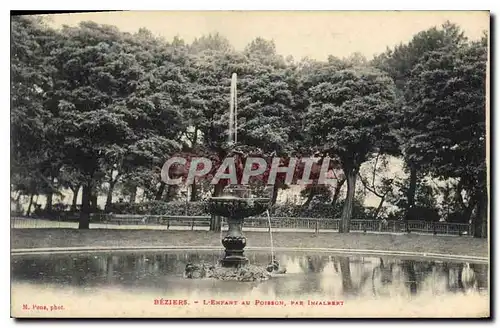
236 209
234 243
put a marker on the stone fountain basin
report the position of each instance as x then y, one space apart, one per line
237 207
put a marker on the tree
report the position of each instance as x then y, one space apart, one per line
206 96
155 112
115 107
380 188
448 94
399 63
348 116
73 180
271 118
211 42
36 160
92 75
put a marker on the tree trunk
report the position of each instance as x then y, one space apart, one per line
109 196
50 196
458 195
413 187
84 222
93 201
468 210
18 197
75 197
18 207
379 207
48 205
133 195
274 197
160 191
345 219
28 211
218 188
411 194
194 192
481 219
309 197
172 191
336 194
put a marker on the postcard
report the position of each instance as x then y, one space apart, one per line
250 164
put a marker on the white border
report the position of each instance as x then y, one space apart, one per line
258 5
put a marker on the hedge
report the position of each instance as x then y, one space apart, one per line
320 210
160 208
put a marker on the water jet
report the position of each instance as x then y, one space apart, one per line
238 203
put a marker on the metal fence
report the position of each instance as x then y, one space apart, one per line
161 222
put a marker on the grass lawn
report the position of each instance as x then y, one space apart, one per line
50 237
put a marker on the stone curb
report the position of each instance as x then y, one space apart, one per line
372 252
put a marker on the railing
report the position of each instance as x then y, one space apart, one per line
168 222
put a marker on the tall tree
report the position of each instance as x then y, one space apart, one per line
399 63
35 157
448 93
92 75
348 117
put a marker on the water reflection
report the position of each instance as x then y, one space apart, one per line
321 275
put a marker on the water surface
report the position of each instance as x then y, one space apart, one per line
117 280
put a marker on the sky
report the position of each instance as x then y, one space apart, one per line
314 34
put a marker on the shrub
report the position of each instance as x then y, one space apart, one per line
457 217
318 210
160 208
421 213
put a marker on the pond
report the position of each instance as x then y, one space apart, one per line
152 284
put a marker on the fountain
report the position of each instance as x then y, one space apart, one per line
235 209
237 204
